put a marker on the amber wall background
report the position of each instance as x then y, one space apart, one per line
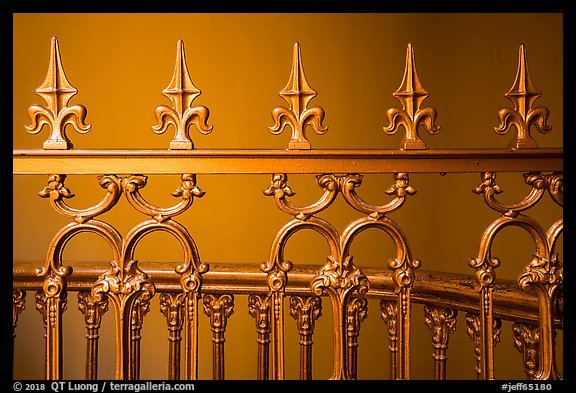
120 63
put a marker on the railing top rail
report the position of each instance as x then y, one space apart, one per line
256 161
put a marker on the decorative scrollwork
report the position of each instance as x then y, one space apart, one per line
401 189
18 305
50 310
341 278
121 283
441 321
279 189
523 93
527 341
277 267
57 92
92 310
172 307
305 310
181 92
298 116
411 116
485 270
474 330
356 312
259 309
187 191
555 182
548 273
537 180
56 191
219 308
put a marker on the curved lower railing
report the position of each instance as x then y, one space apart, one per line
444 296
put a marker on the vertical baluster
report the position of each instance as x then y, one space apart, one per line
305 310
356 313
18 305
139 310
403 324
191 343
389 313
172 307
51 302
218 308
93 312
259 309
441 321
474 329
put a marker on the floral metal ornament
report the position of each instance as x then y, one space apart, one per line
181 92
57 92
298 94
523 93
411 94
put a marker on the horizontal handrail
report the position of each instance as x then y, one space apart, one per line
156 161
450 290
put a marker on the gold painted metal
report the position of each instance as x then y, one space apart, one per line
182 93
18 305
91 162
441 321
411 116
340 278
298 116
125 285
93 312
305 310
356 313
527 341
544 274
430 287
441 288
218 308
141 308
51 304
259 307
389 313
172 307
474 330
57 92
533 302
522 94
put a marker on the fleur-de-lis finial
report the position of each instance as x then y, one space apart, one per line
57 91
523 93
411 94
181 92
298 94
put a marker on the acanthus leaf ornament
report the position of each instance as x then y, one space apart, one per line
411 116
522 94
57 92
181 92
298 116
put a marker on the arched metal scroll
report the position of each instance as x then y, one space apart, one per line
543 274
124 284
339 278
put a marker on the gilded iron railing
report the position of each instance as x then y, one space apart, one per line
534 302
